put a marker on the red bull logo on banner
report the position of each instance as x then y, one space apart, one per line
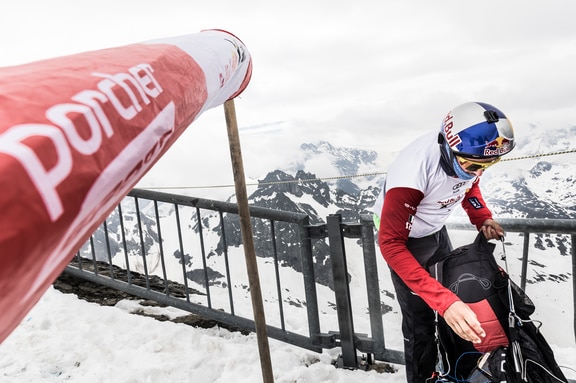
497 147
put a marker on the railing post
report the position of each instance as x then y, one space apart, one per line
342 292
372 285
573 237
309 279
524 272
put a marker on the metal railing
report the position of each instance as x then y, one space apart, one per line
181 251
133 257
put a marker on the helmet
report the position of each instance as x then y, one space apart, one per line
476 130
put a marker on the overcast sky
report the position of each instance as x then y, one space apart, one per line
368 74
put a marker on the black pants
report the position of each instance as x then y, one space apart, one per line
417 318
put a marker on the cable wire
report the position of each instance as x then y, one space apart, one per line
303 181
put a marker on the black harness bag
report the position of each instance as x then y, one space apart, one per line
514 349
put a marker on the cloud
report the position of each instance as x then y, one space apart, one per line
365 73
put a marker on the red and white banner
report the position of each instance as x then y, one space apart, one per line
78 132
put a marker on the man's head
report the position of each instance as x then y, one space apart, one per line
473 136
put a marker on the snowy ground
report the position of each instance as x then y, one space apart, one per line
65 339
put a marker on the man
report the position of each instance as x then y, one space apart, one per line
422 187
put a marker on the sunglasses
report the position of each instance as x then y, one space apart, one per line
473 166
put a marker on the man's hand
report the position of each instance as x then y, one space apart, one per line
492 229
464 322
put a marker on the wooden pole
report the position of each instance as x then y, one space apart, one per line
247 239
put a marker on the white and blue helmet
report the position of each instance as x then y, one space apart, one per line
476 130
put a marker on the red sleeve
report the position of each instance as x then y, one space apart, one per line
474 205
398 212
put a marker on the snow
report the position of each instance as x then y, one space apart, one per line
65 339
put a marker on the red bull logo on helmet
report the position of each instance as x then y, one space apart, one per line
497 147
447 125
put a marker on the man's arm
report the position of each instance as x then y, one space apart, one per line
397 214
479 214
474 205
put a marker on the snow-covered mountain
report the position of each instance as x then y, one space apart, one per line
535 182
529 184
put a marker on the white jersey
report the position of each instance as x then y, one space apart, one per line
418 167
